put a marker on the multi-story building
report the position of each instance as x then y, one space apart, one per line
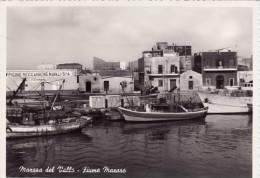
219 69
159 69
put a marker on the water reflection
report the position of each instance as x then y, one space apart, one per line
219 146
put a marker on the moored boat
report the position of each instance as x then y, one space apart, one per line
168 106
137 116
51 128
221 103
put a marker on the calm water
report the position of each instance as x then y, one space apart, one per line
220 146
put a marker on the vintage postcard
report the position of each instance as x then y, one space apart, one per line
162 89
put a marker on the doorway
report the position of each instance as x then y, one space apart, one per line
88 86
173 84
220 82
190 85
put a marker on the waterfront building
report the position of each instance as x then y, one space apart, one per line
111 81
52 79
184 52
219 69
244 77
100 64
90 82
190 81
162 65
161 71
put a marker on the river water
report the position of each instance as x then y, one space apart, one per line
217 147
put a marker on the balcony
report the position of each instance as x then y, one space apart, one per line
219 69
164 74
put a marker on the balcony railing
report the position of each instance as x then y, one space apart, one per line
223 68
164 72
218 67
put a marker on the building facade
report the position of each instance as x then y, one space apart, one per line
190 81
112 84
90 83
159 70
51 79
219 69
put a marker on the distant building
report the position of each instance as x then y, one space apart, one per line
190 81
100 64
133 66
76 66
244 77
247 62
46 67
242 67
219 69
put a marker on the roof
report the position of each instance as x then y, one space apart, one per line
69 64
115 73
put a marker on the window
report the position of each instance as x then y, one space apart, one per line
191 85
160 83
106 85
219 64
231 82
77 78
173 69
190 77
231 63
208 81
160 69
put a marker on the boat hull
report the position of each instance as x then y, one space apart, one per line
219 104
20 131
135 116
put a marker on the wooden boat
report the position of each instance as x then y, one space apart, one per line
225 104
113 114
40 120
64 126
137 116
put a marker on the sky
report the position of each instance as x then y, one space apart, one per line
44 35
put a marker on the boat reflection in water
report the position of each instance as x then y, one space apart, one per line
219 146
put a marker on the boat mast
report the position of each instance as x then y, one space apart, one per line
17 90
56 96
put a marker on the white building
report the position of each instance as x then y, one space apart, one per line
90 83
111 84
52 79
190 80
244 76
162 71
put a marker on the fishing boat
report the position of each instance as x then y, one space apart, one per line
137 116
51 128
41 120
222 102
165 109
